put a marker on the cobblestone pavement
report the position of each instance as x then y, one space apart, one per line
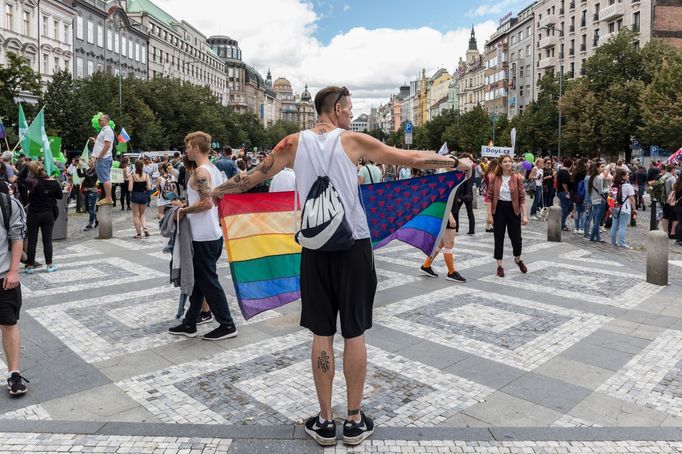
578 355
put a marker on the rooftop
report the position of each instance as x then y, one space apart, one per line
146 6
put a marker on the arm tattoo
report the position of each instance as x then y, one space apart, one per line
445 162
204 190
323 362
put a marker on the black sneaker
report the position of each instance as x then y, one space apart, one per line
220 333
96 223
455 277
15 384
205 317
323 434
87 228
428 271
355 433
183 330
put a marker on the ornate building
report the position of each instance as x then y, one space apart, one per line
295 109
470 77
55 26
19 30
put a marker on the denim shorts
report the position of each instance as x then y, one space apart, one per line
103 169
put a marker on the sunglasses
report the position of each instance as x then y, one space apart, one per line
344 92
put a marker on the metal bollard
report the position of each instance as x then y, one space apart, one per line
106 225
554 225
657 258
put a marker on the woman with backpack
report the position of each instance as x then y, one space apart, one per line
167 186
598 187
139 186
41 214
624 203
535 178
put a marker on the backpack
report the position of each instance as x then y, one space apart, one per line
324 224
6 209
616 196
581 191
169 191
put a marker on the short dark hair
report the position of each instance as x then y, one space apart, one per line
227 150
327 98
568 162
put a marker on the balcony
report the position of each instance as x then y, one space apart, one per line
549 41
611 12
548 62
547 22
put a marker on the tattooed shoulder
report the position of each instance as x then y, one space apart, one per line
202 182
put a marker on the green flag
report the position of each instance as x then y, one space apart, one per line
85 156
121 147
23 128
32 142
56 147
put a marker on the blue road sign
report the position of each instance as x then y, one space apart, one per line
654 151
408 127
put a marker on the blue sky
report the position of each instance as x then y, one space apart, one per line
339 16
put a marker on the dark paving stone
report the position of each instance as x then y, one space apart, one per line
389 339
595 355
432 354
280 432
489 373
616 341
548 392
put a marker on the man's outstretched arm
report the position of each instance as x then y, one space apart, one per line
281 157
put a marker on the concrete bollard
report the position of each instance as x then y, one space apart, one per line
106 222
657 258
554 225
60 229
474 202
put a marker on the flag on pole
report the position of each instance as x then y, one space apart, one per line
123 136
23 129
3 133
513 140
674 158
265 259
444 149
85 156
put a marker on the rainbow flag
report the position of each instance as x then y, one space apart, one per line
265 259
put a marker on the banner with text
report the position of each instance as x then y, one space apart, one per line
496 152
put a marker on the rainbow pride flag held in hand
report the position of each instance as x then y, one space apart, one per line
265 259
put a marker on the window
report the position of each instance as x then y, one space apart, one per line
91 32
99 67
137 52
27 23
116 43
143 55
110 39
100 36
612 27
124 46
528 51
636 22
46 64
55 32
79 27
45 25
528 31
9 17
130 49
55 67
67 34
67 65
91 68
520 71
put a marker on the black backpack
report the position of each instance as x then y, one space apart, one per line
324 225
6 209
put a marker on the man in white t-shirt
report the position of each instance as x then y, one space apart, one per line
102 152
284 181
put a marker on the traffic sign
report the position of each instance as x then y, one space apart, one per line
654 151
408 138
408 127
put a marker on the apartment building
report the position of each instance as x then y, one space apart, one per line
521 62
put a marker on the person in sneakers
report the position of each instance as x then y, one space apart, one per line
12 234
42 213
535 177
207 243
102 152
447 243
507 211
338 284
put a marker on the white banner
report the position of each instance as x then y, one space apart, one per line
116 175
496 152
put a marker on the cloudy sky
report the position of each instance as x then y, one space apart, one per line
371 46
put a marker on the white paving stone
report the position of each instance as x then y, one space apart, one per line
154 308
484 317
541 348
643 379
32 413
593 285
583 256
288 389
116 271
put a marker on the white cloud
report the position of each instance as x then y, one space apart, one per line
499 7
346 8
279 34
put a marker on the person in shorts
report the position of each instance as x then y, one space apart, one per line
338 284
102 152
11 247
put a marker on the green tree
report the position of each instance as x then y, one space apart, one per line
469 131
580 108
661 105
65 112
16 77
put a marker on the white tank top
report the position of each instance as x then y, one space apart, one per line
314 152
205 225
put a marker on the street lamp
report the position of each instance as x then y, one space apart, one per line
561 83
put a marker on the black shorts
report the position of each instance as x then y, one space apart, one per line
338 282
10 304
669 212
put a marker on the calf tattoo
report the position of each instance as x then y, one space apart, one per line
323 362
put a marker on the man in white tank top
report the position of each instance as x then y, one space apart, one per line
207 242
351 273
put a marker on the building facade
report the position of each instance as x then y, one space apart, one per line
177 49
496 72
568 32
438 90
294 109
55 25
667 21
453 100
103 36
470 77
521 63
19 31
360 124
422 114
